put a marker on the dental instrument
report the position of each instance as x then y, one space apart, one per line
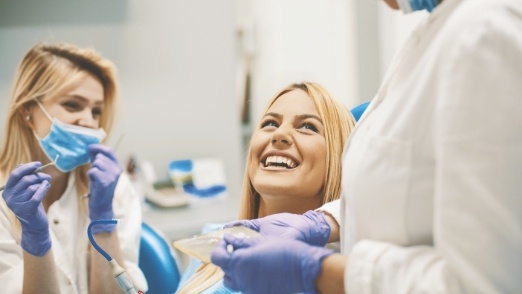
38 169
122 278
44 166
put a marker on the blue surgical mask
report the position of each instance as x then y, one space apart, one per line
408 6
69 142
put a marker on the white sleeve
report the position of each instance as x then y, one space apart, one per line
127 209
11 262
332 208
478 206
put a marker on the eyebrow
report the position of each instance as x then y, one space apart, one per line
297 117
276 115
306 116
78 97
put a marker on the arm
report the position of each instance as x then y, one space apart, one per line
104 176
112 196
123 243
40 273
331 277
23 195
101 277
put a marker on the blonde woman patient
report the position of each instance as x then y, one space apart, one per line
62 107
293 165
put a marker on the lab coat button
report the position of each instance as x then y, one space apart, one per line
56 221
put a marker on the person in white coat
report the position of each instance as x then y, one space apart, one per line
63 103
431 174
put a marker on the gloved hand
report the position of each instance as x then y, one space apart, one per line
310 227
23 194
269 264
103 175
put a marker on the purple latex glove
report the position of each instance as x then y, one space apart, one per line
310 227
103 175
269 264
23 194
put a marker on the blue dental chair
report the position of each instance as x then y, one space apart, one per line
158 262
358 110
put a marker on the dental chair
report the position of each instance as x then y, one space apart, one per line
358 110
158 262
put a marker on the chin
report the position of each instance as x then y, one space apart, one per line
392 4
273 186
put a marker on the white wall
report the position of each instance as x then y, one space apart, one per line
176 62
345 45
299 40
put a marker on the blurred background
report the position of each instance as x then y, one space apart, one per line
195 75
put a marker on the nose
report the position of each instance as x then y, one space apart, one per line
86 119
282 137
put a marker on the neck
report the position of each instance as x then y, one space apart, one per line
59 182
277 204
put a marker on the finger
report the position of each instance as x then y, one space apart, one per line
26 194
43 176
106 164
220 256
25 182
251 224
239 243
237 223
22 170
94 174
99 148
100 161
41 191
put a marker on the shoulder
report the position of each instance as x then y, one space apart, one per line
485 22
477 34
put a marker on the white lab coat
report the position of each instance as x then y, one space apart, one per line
70 243
432 174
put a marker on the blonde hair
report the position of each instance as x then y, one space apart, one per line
47 71
338 124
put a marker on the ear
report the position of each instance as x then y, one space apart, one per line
25 111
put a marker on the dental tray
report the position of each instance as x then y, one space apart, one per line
164 194
201 246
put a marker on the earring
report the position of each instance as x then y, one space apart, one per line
28 117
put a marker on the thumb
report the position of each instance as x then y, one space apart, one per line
220 255
251 224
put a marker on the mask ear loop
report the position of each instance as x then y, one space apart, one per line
46 114
44 110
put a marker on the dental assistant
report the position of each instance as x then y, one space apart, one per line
63 103
431 174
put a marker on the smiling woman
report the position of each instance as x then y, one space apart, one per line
287 156
293 165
